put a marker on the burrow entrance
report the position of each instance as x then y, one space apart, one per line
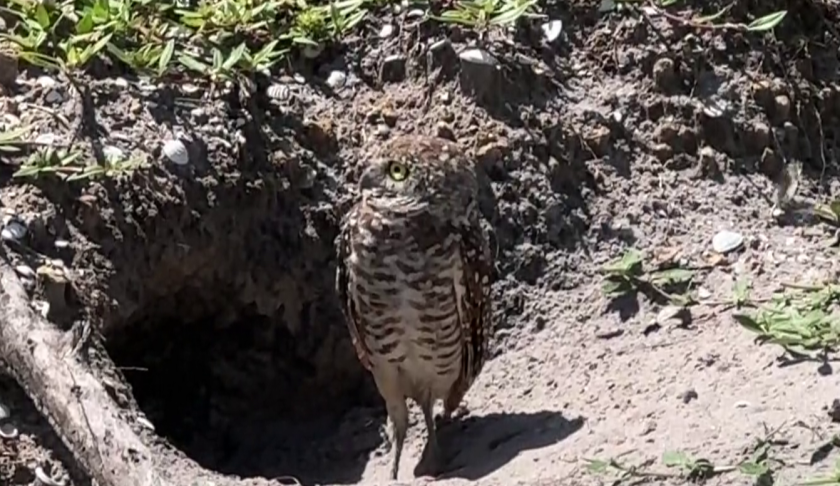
245 383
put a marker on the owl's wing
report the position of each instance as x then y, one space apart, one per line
475 309
355 323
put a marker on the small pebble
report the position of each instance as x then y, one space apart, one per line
438 45
336 79
667 313
4 412
46 82
742 404
688 395
46 139
112 153
311 52
61 244
53 96
176 151
727 241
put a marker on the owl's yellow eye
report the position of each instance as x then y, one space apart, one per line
397 171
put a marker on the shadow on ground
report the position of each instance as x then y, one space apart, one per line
487 443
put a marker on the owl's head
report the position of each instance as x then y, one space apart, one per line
414 172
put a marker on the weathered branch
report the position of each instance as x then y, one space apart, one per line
77 405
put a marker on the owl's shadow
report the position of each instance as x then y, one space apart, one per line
477 446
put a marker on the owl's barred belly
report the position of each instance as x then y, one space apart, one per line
413 326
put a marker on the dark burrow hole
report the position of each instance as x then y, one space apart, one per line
239 393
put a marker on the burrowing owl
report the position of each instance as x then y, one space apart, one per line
414 271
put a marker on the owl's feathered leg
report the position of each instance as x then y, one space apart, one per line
430 461
398 414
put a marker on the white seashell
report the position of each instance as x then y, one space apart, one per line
478 56
336 79
112 153
62 244
143 421
279 91
299 79
551 30
386 31
25 271
45 480
8 431
726 241
176 151
13 231
121 83
46 82
4 412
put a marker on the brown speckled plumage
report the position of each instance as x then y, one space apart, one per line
414 280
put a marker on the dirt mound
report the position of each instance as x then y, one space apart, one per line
201 294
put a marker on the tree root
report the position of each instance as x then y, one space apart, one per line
65 391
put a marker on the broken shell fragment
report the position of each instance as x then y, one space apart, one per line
44 478
176 151
8 431
279 91
552 29
25 270
13 231
478 56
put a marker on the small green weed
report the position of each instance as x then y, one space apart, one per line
759 465
763 23
627 274
216 38
801 319
483 14
63 163
10 141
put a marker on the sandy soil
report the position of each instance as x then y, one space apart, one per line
211 284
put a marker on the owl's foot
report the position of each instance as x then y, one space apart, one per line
449 416
431 461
